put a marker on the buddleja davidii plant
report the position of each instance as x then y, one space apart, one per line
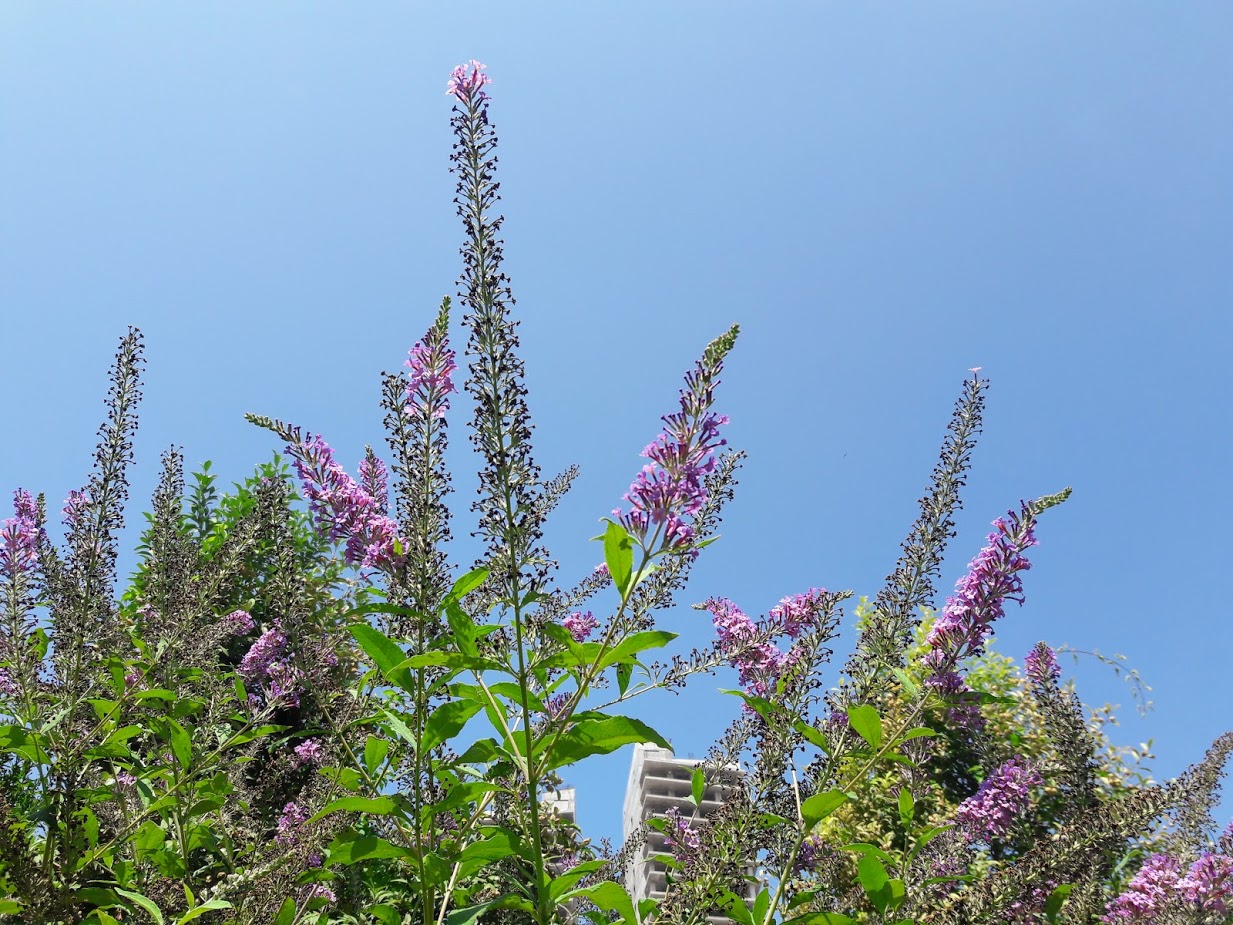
95 740
492 643
852 739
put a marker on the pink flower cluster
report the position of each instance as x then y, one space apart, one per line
268 664
1001 798
19 537
580 625
289 822
429 384
758 661
671 488
1041 665
74 506
1206 888
238 623
467 82
344 509
681 838
309 753
992 578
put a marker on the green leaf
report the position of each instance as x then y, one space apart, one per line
821 805
760 705
181 744
868 725
377 806
875 881
350 847
559 886
471 914
698 785
635 643
447 720
96 916
375 750
384 652
624 672
907 806
600 736
145 902
619 556
463 627
12 905
386 914
812 734
909 686
286 912
468 583
761 904
736 908
822 918
1057 899
611 897
202 910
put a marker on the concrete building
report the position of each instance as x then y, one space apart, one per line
659 781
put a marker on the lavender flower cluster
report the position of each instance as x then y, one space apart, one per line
1001 798
1205 888
671 488
993 577
758 661
268 664
19 537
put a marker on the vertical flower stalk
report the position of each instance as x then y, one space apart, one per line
20 538
416 404
671 488
509 489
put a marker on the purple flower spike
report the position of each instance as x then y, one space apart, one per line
343 509
980 595
238 623
19 537
1208 884
289 822
1148 892
1041 665
1001 798
467 82
671 488
431 362
309 753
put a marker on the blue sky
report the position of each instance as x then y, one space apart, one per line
883 195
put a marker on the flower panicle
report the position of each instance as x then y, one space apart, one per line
671 488
431 363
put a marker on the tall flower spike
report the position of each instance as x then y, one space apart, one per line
671 488
993 577
415 407
509 508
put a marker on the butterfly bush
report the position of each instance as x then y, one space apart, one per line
411 722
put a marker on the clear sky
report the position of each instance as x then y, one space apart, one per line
882 194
